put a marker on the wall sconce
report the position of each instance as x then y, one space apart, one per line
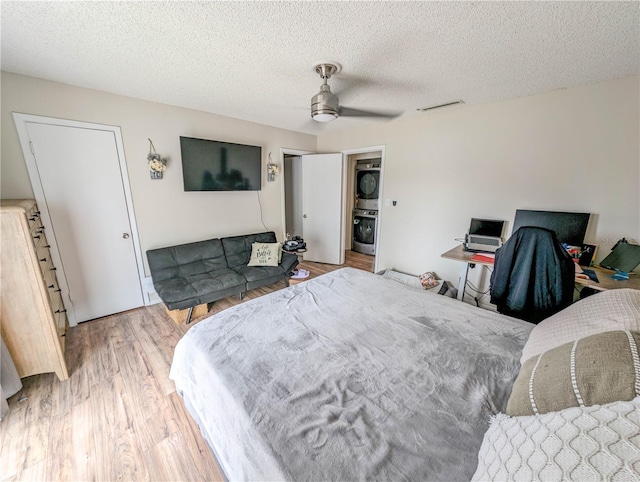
157 163
272 170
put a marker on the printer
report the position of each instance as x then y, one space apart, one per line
485 236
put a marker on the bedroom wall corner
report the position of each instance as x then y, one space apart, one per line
165 214
574 149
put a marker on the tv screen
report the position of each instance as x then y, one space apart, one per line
570 228
220 166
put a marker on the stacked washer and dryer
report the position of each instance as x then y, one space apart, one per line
365 214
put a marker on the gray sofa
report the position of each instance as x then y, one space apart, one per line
192 274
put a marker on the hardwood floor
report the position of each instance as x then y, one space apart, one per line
118 416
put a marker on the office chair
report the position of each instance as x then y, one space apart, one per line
533 275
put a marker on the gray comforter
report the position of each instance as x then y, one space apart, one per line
349 376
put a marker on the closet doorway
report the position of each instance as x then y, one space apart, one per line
364 206
342 187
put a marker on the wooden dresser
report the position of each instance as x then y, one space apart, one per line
32 314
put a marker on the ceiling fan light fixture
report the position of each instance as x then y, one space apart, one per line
321 116
324 105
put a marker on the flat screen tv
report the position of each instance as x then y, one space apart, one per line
570 228
220 166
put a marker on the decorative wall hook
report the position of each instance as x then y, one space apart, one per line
272 170
157 163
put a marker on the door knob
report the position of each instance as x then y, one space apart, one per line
304 216
125 235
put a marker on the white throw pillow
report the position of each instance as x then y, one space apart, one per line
607 311
596 443
265 254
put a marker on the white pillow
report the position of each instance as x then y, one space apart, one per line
606 311
265 254
596 443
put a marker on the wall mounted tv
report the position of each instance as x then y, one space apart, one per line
570 228
220 166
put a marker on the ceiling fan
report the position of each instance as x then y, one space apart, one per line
325 105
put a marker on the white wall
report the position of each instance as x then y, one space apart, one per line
568 150
573 150
165 214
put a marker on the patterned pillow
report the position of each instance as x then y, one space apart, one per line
265 254
583 444
606 311
428 280
598 369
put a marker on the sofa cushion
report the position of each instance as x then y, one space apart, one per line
200 285
186 260
261 276
258 273
237 249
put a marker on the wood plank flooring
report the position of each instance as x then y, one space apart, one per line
118 416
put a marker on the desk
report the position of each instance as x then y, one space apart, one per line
604 275
608 283
459 254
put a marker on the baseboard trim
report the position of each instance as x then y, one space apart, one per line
149 292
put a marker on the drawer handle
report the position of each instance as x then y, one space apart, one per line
36 237
48 246
58 290
61 311
43 259
32 219
51 286
53 269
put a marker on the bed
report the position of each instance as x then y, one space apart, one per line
348 376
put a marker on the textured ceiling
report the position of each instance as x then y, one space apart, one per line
254 60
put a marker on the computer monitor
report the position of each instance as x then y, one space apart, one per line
486 227
570 228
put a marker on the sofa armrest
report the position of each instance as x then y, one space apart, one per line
289 261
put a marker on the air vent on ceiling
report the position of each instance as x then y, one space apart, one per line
424 109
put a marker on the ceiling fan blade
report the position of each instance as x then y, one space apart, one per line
349 112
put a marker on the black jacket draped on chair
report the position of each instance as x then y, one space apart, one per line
533 275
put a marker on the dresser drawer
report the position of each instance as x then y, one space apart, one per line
34 220
37 234
40 241
61 328
43 254
56 302
49 274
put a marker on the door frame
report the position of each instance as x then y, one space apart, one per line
21 120
345 190
283 203
345 156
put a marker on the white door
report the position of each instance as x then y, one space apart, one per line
80 179
322 221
